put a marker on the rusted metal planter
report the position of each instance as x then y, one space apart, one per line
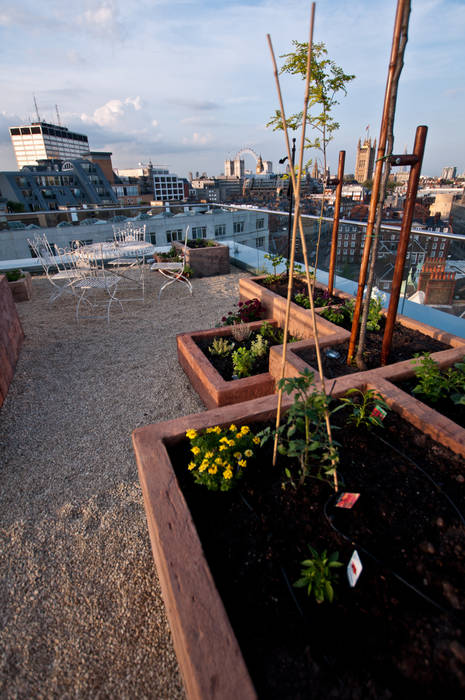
207 262
208 383
11 337
202 634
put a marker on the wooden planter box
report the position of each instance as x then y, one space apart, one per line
202 635
208 383
22 288
299 318
207 262
396 371
11 337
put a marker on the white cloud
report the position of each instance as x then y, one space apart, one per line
102 17
154 123
5 19
112 112
198 139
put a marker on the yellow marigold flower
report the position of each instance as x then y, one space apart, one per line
213 469
233 428
242 463
211 430
227 474
203 466
224 439
195 450
219 461
223 447
256 440
208 455
231 443
248 453
237 455
191 434
191 466
245 429
216 429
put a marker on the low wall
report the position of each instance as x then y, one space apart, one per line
11 337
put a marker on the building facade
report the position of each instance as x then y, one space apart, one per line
364 160
56 183
40 140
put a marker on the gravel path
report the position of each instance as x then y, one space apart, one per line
82 614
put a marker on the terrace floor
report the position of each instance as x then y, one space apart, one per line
82 614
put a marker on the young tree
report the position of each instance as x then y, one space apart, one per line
328 80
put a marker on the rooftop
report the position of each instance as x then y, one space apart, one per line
82 610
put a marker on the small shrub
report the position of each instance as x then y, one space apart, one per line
241 331
302 300
14 275
318 575
243 362
221 347
437 385
363 410
259 346
221 455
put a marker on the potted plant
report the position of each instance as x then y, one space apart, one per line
205 257
20 283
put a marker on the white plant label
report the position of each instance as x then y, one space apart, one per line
354 569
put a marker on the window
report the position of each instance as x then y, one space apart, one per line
260 223
260 241
199 232
238 227
220 230
175 235
153 238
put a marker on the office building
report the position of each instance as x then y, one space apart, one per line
449 173
40 140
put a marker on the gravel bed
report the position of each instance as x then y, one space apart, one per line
82 613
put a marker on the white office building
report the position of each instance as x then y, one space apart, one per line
39 140
166 186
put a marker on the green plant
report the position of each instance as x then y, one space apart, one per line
318 575
250 310
274 335
220 455
335 314
364 407
221 347
303 434
243 362
302 300
259 346
14 275
437 385
275 260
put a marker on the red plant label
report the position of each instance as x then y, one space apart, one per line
347 500
378 412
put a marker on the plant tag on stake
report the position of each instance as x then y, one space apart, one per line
347 500
378 413
354 569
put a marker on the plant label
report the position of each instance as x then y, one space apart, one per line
354 569
347 500
378 412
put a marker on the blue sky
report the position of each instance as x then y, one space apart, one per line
187 83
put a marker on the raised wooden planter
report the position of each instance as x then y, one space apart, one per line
11 337
202 635
22 288
208 383
207 262
396 371
299 318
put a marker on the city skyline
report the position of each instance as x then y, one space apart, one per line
188 84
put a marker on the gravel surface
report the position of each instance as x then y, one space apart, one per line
82 614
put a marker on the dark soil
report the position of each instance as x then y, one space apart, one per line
381 639
405 343
447 407
300 286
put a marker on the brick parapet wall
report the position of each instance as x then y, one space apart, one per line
11 337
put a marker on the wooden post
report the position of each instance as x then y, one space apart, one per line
412 188
337 208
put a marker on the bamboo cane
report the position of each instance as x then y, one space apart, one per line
297 221
377 177
337 209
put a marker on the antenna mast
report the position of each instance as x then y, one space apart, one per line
37 109
58 115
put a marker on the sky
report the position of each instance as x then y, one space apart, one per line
189 83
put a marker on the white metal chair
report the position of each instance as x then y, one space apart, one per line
174 271
95 287
56 265
132 264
